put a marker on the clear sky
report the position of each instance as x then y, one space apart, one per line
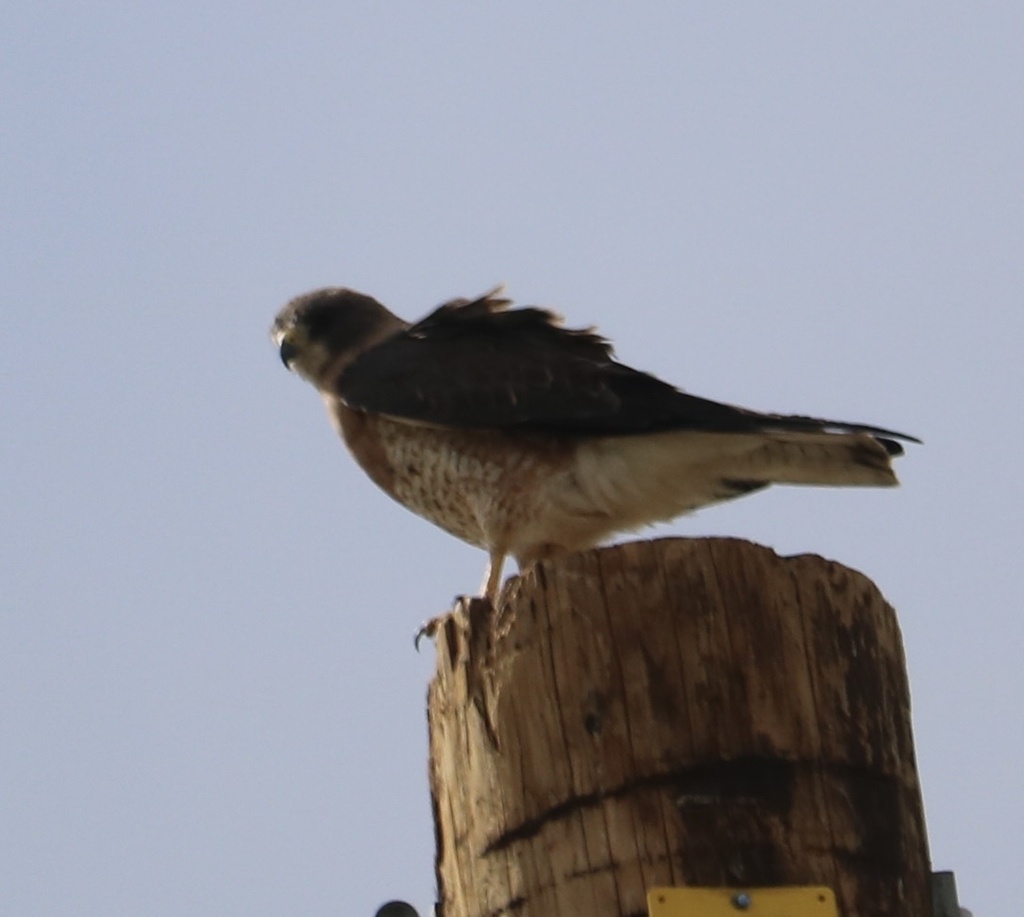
209 701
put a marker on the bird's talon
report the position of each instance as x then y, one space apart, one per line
428 628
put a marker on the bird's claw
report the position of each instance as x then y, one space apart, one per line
428 628
466 606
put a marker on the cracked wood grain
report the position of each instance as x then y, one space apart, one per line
674 712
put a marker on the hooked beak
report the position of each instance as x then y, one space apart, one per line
288 352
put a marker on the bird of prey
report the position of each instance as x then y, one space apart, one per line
527 438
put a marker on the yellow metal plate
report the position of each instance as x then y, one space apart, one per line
742 902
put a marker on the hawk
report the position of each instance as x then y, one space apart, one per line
527 438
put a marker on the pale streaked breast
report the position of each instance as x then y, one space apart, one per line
479 485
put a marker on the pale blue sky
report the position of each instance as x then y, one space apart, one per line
209 703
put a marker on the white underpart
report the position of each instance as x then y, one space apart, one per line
533 499
624 483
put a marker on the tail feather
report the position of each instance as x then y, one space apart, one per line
826 459
644 479
621 483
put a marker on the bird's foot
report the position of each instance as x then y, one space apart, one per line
466 609
429 629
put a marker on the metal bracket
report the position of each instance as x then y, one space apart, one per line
802 901
944 898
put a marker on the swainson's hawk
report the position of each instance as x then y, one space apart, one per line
523 437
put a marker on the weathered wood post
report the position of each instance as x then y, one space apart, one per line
676 712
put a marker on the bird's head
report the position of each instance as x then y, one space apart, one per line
322 332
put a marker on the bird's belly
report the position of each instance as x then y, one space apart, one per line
481 486
453 481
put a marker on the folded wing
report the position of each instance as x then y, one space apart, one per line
477 364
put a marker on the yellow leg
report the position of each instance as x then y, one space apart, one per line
492 581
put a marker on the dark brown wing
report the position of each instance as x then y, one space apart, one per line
477 364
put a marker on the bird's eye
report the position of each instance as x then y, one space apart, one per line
318 324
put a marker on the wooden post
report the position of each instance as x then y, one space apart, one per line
677 712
